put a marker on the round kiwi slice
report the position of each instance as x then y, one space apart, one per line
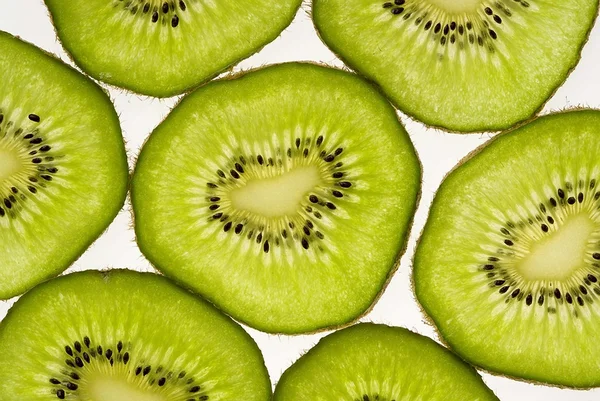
508 265
125 336
63 167
165 47
372 362
284 195
462 65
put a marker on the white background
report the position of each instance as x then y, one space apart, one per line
438 151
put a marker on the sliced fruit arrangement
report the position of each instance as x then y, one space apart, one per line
371 362
463 65
508 265
125 336
63 167
165 47
284 195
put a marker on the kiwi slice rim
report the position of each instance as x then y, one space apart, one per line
364 346
404 105
443 334
155 81
47 155
149 246
116 354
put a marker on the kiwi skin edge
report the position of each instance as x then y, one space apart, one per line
401 250
518 124
428 320
225 69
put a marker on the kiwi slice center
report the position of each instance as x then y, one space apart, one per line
115 388
559 255
276 196
457 6
10 164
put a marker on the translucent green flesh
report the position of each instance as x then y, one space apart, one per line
370 362
116 41
508 265
68 172
325 263
437 75
128 336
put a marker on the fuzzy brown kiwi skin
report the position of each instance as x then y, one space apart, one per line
227 69
428 320
401 250
498 129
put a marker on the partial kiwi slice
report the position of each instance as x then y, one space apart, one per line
125 336
63 167
462 65
165 47
374 362
283 195
508 265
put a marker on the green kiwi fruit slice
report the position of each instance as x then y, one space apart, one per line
125 336
508 265
283 195
63 167
165 47
373 362
462 65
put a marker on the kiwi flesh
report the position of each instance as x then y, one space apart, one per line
165 47
508 264
121 335
461 65
374 362
63 167
283 195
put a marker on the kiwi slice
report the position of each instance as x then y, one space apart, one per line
165 47
462 65
373 362
63 167
508 265
283 195
125 336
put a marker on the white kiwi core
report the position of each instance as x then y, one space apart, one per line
116 388
276 196
457 6
559 255
9 163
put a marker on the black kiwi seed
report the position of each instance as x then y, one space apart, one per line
165 7
154 16
557 293
568 298
174 21
60 394
34 117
